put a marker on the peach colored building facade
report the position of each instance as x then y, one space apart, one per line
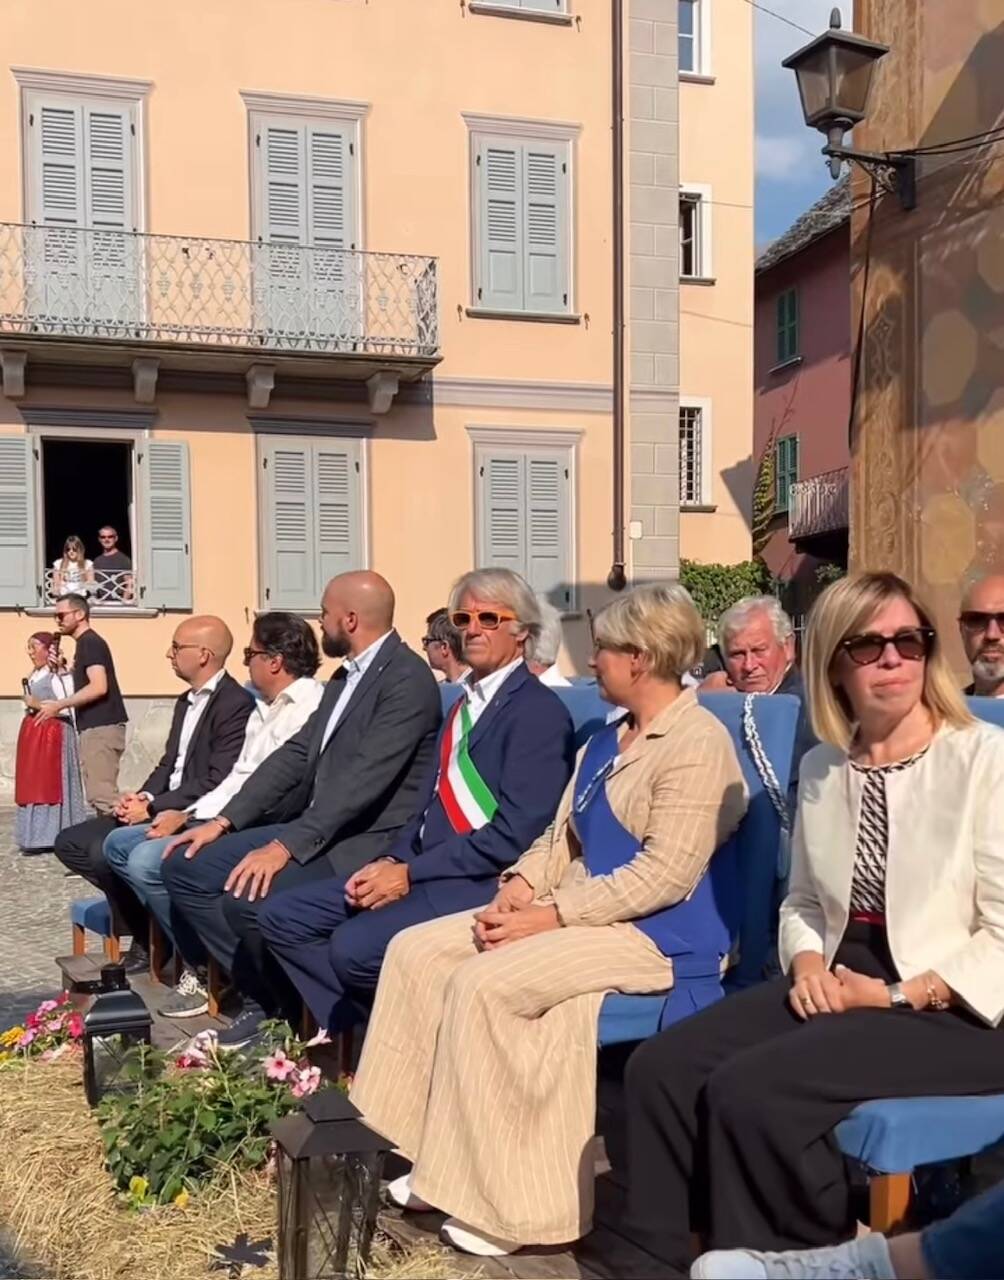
302 292
716 281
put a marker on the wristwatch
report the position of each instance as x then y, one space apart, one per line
897 997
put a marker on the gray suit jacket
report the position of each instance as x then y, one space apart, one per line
350 799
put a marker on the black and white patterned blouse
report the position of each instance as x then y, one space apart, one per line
868 883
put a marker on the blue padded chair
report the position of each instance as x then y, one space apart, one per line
585 706
94 915
749 910
893 1137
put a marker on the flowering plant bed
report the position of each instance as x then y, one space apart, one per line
54 1027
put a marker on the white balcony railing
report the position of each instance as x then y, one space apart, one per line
84 283
111 588
818 505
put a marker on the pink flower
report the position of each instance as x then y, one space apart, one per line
75 1026
47 1006
55 1025
278 1066
27 1038
191 1059
31 1022
307 1081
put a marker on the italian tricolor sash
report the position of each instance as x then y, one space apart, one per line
468 802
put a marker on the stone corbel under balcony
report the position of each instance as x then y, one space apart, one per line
382 388
144 379
261 383
12 366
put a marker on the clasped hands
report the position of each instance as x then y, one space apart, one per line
512 915
820 991
132 809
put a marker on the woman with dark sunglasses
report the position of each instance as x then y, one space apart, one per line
891 937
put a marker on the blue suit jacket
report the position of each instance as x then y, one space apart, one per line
523 745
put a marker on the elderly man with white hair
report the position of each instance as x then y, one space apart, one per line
757 642
504 755
542 653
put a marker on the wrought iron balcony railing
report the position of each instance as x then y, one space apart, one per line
818 505
111 588
87 283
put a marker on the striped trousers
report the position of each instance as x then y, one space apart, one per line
481 1068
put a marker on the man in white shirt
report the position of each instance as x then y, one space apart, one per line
282 660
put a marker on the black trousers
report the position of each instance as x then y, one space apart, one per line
730 1113
80 850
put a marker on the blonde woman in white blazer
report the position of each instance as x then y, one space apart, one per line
892 940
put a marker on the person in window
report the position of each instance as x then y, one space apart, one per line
47 788
480 1059
112 570
891 939
542 657
72 572
444 647
504 757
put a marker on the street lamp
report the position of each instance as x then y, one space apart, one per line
834 74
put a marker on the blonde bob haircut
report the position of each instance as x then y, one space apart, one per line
658 620
846 608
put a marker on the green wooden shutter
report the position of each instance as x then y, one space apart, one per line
545 237
503 511
786 470
548 568
499 181
337 507
288 546
18 556
167 508
787 325
112 259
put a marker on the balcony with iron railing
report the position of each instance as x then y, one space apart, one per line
103 588
818 505
199 303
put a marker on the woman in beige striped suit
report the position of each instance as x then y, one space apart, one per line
480 1060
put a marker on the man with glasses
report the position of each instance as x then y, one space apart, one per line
282 660
206 736
504 757
112 570
96 703
981 624
444 647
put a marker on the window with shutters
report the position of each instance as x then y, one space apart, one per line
787 326
308 275
310 516
785 471
522 224
524 512
82 198
64 483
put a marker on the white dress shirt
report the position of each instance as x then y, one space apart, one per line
198 700
480 692
355 669
553 678
269 725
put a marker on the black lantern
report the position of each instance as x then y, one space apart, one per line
330 1165
834 74
116 1022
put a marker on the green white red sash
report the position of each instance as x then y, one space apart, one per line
466 797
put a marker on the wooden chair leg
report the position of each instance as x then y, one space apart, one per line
346 1045
888 1201
79 940
157 947
308 1025
113 949
214 986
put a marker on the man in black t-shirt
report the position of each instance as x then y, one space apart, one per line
97 703
112 570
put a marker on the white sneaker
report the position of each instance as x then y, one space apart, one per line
480 1243
863 1259
189 998
400 1192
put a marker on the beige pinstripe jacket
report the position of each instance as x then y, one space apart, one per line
679 789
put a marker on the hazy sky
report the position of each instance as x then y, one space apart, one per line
790 172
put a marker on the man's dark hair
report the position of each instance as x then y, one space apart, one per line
439 627
80 603
288 637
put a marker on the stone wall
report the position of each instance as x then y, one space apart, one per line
146 734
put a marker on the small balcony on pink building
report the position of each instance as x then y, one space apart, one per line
819 506
157 304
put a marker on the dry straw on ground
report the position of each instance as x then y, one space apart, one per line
61 1213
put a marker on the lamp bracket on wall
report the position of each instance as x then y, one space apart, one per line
894 172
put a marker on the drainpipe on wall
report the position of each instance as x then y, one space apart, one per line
616 578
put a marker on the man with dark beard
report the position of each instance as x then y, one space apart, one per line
346 784
981 624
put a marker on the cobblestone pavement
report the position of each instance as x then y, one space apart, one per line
35 894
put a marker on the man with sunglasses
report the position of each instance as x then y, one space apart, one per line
282 661
504 757
981 625
444 647
206 736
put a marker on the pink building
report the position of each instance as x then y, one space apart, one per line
802 380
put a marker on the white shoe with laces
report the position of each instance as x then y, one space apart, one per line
864 1259
399 1191
479 1243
